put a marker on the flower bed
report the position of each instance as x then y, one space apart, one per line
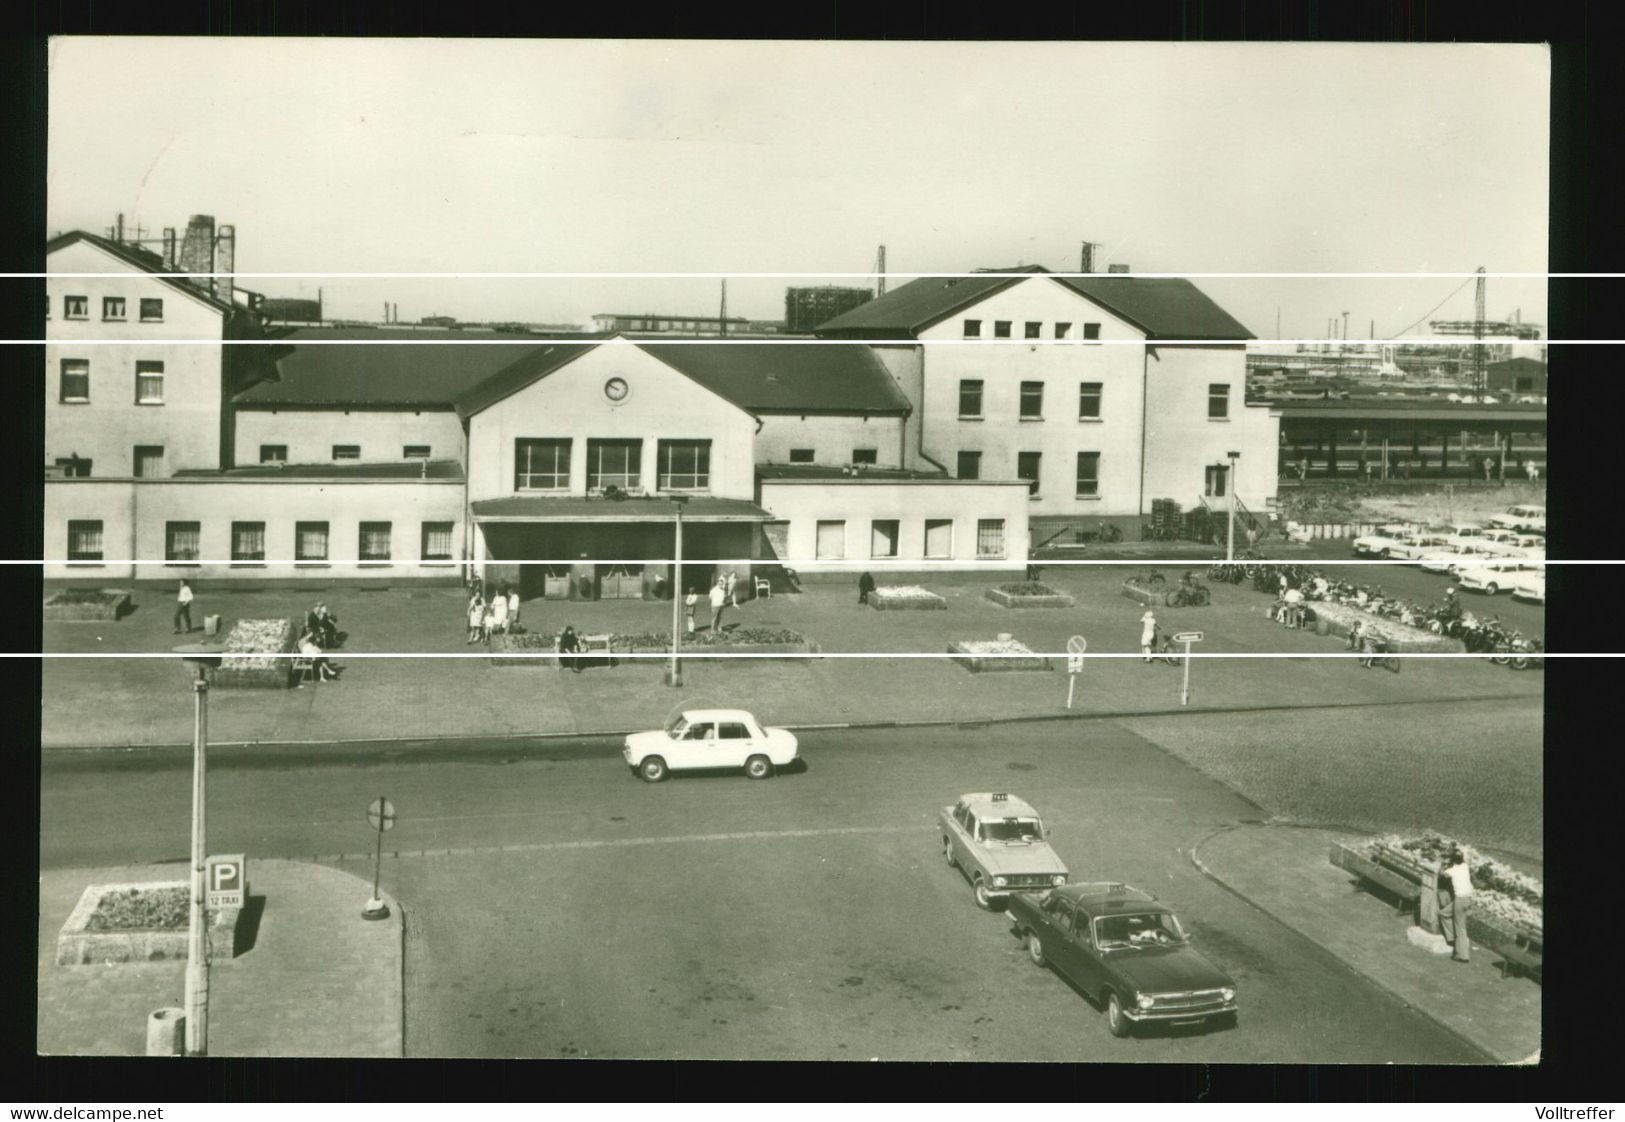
986 655
139 923
905 597
1340 619
73 604
521 650
1145 594
257 637
1029 594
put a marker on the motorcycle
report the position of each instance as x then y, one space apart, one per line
1187 593
1529 654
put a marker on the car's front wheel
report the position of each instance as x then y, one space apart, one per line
653 769
1384 554
758 767
948 852
1116 1022
1491 589
984 899
1035 948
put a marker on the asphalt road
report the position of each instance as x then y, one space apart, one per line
572 910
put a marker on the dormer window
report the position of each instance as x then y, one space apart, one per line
973 329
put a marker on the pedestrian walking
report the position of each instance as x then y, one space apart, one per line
183 609
1455 903
719 599
1489 466
866 585
513 611
689 601
1530 470
729 588
1148 633
476 616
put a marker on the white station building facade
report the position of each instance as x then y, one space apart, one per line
389 455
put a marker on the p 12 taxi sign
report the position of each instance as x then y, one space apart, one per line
226 881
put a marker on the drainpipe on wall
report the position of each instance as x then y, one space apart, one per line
1145 416
920 432
135 570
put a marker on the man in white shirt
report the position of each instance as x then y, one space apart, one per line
1455 901
719 597
1293 599
183 608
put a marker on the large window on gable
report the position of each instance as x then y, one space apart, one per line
614 463
75 383
541 465
685 465
149 383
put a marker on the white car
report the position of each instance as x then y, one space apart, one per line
1522 518
1455 556
1381 541
1433 543
1530 586
705 739
1492 578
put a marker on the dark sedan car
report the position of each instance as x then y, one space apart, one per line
1125 951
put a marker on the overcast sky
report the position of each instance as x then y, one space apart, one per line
483 156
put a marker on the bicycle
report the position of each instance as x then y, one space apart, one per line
1379 654
1163 650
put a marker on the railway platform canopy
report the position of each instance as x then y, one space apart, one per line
1408 438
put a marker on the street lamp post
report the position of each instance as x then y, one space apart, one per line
674 675
200 658
1230 507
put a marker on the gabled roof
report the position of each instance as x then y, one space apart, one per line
1163 308
788 378
436 373
141 259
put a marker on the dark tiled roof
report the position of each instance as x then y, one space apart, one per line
788 378
435 372
425 374
574 508
1171 308
145 260
406 469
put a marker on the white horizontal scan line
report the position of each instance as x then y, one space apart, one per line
695 653
870 274
992 565
639 339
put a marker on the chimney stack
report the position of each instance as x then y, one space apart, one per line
225 261
118 236
169 248
1086 259
881 287
197 249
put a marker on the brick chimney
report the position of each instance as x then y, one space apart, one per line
169 248
225 261
197 250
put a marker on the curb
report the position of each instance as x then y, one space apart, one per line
1475 1045
924 722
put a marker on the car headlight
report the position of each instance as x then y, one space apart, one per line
1228 994
999 882
1058 879
1144 1001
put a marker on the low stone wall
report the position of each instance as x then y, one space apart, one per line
76 945
1010 600
1140 594
1340 620
983 663
506 653
64 607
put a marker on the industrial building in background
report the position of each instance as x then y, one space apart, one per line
806 309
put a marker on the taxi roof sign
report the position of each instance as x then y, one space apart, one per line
1001 797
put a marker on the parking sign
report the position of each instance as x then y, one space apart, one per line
226 879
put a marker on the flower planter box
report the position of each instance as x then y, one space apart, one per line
1340 620
78 945
973 656
257 637
75 605
1516 944
1049 598
909 599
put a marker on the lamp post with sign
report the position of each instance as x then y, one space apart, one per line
201 658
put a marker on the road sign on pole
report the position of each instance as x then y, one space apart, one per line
381 817
1187 637
1075 647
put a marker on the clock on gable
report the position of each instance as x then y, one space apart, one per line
616 390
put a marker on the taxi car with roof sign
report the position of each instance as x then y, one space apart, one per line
709 739
999 842
1125 951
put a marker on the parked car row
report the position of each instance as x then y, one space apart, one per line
1122 948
